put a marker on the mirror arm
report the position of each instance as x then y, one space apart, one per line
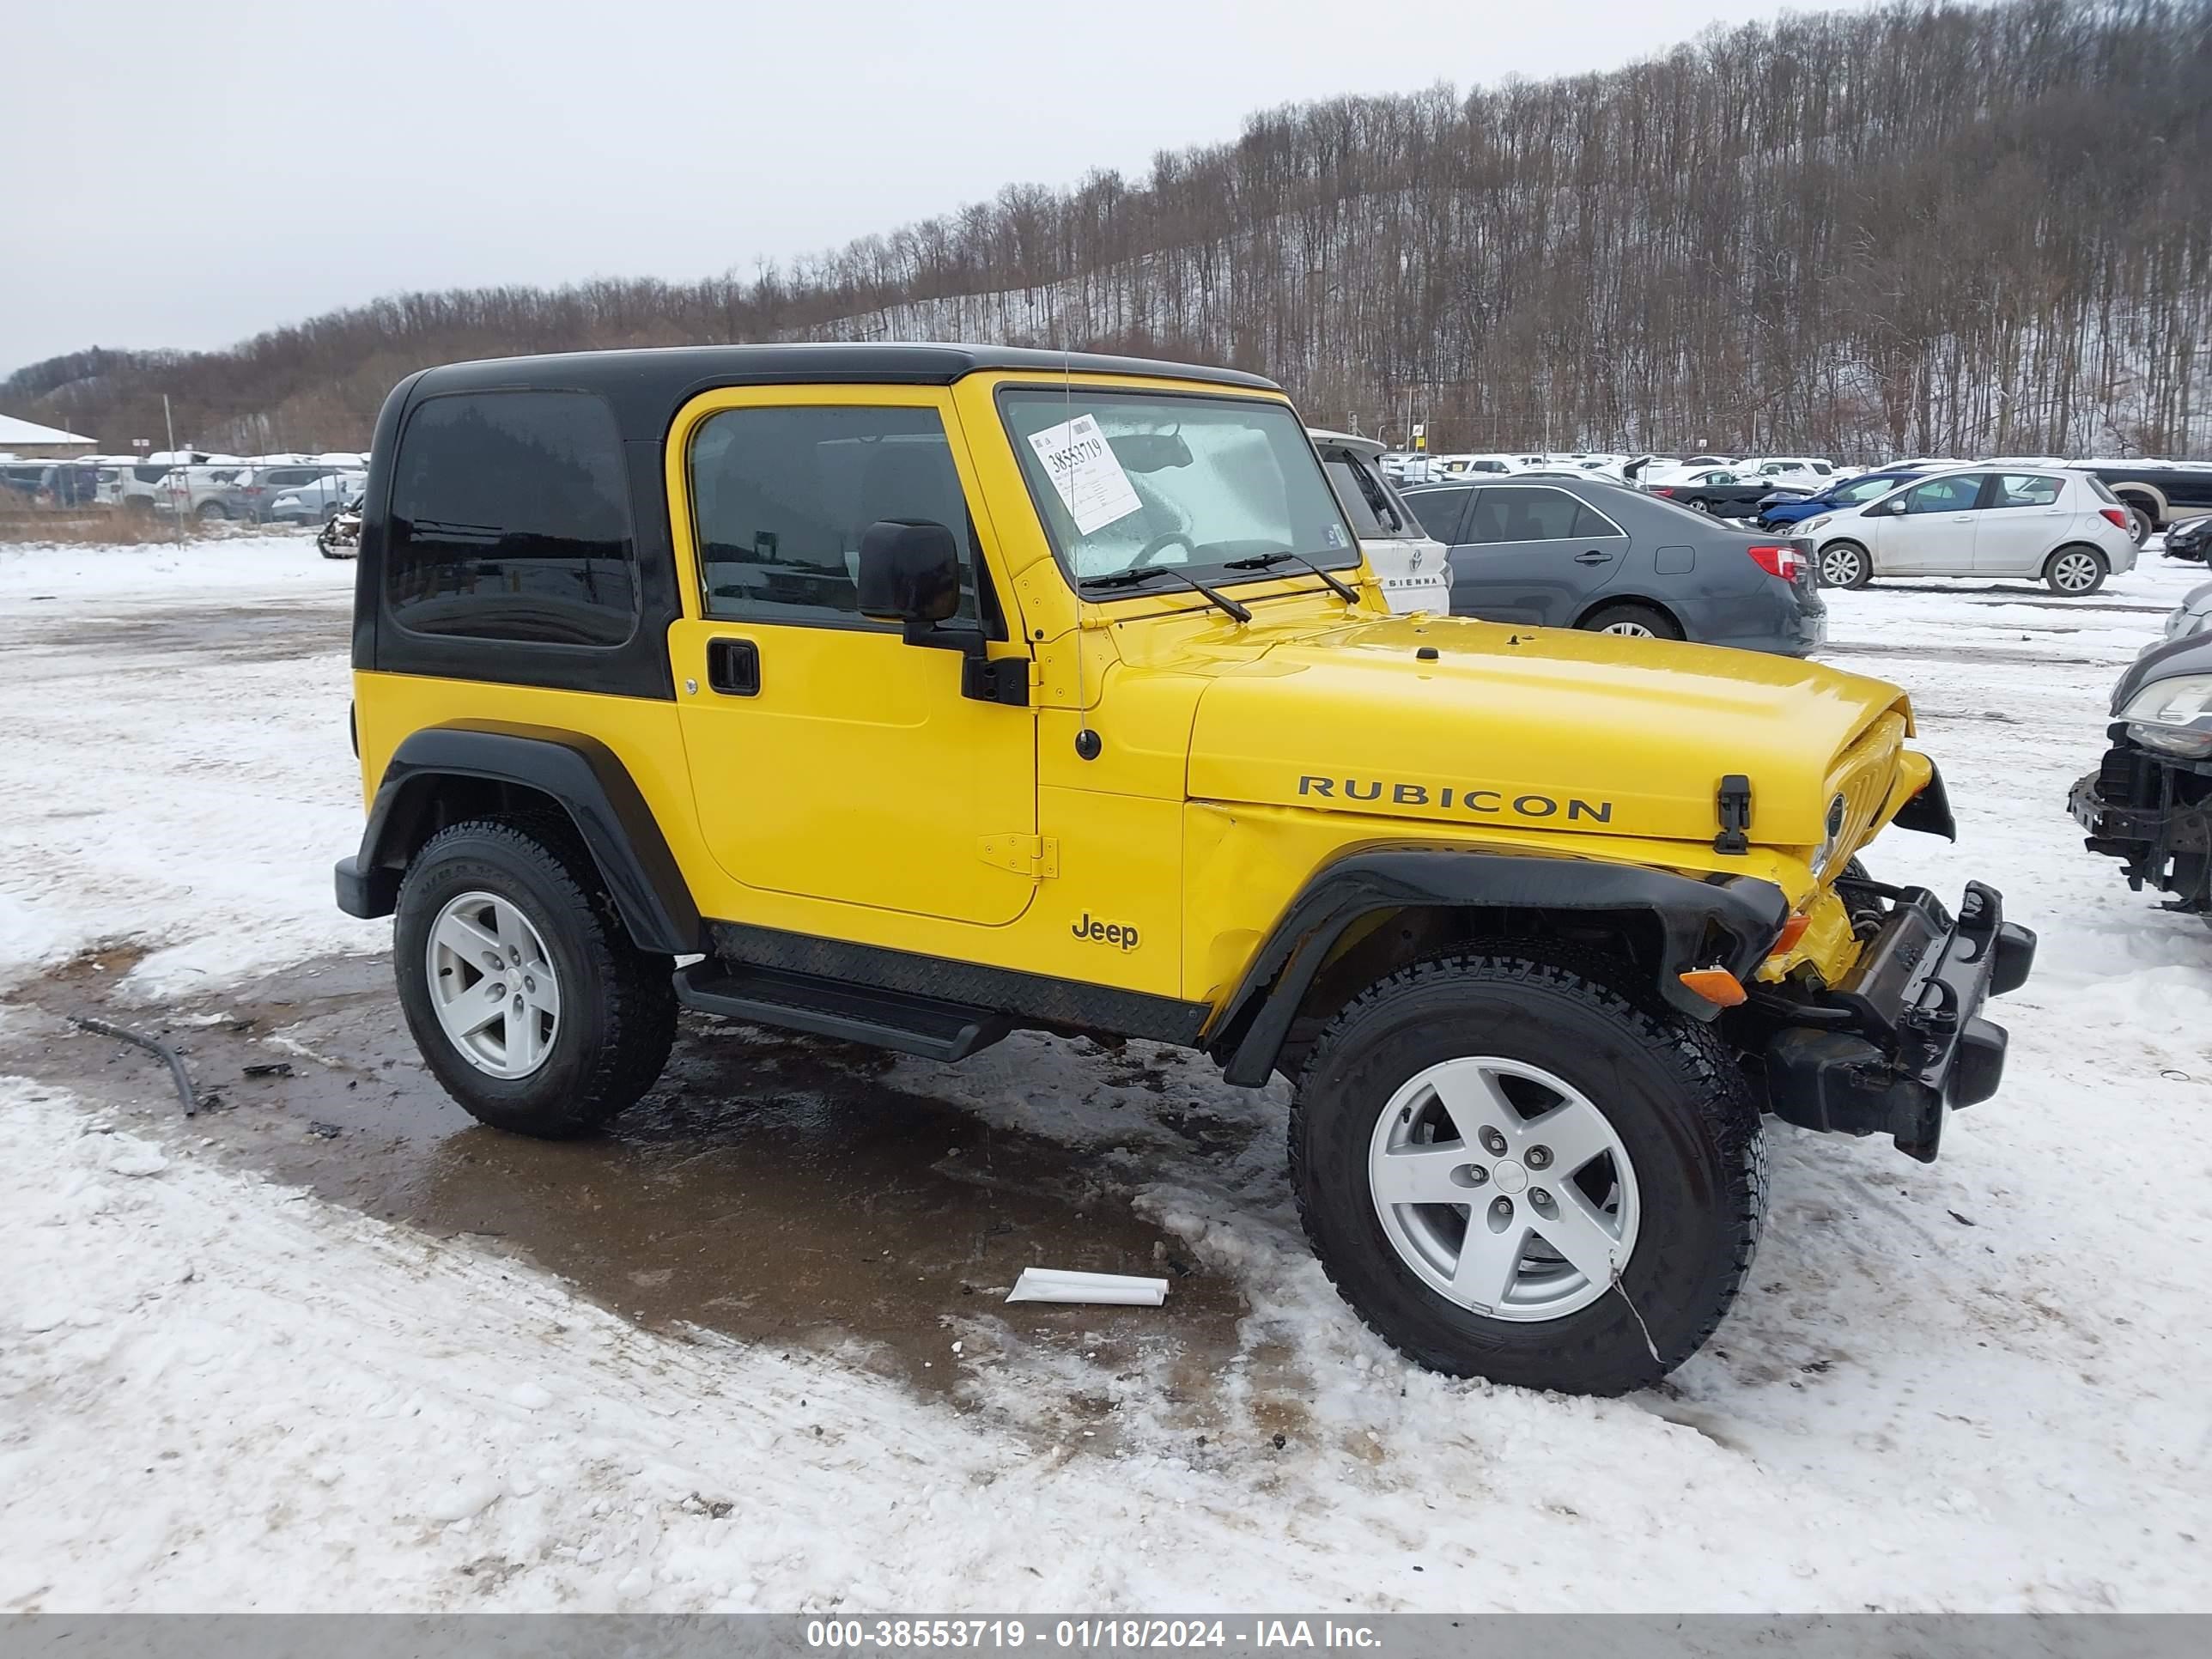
982 679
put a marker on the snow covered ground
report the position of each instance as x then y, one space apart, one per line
1973 1386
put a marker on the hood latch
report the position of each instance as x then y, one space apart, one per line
1733 803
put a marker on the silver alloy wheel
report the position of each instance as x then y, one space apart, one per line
1700 506
1634 630
2074 573
1839 566
1503 1188
493 985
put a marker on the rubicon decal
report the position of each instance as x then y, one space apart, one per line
1506 803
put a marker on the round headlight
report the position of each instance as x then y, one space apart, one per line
1838 812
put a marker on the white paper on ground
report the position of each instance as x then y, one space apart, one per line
1083 469
1065 1285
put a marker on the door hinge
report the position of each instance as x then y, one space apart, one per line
1025 855
1732 801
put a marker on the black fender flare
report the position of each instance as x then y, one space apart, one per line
1928 812
581 774
1728 921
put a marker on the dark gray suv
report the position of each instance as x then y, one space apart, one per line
1584 553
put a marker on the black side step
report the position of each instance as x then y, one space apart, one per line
838 1008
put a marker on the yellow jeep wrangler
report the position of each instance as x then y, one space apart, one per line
916 694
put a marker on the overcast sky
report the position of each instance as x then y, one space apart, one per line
189 178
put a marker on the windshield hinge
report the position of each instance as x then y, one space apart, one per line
1733 803
1025 855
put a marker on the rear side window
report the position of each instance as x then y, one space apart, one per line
1439 511
2103 494
1363 497
1519 514
2024 490
510 521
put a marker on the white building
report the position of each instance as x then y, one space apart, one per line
29 441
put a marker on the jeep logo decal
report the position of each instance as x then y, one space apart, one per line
1572 810
1116 934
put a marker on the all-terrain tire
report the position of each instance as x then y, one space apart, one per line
1671 1092
1629 619
617 1003
1844 564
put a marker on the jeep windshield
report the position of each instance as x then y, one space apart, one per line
1128 481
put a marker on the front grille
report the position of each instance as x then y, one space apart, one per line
1862 779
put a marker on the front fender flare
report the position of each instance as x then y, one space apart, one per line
1731 920
581 775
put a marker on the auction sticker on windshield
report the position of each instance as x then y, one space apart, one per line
1090 480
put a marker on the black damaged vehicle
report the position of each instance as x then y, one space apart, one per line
2149 802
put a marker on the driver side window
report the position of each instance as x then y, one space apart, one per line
1952 494
781 498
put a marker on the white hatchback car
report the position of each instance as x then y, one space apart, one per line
2062 528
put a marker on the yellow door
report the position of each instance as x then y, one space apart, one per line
830 759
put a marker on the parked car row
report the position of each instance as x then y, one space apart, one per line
49 484
196 485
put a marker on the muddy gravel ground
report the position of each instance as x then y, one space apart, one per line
774 1187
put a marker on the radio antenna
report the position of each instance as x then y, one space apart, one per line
1087 742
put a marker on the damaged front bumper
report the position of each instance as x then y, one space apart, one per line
2154 813
1901 1037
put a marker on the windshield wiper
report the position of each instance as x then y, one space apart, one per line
1137 579
1262 560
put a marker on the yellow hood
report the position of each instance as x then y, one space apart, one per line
1541 727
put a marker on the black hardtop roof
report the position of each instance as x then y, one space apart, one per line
647 387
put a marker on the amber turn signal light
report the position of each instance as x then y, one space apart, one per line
1792 931
1716 985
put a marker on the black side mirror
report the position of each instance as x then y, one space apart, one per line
910 572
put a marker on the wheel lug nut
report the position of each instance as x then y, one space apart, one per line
1540 1198
1476 1174
1493 1143
1540 1157
1501 1209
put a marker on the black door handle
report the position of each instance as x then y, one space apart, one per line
733 667
1593 557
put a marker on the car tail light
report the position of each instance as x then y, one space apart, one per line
2115 516
1782 562
1662 490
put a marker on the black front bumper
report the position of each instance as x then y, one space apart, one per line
1901 1038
